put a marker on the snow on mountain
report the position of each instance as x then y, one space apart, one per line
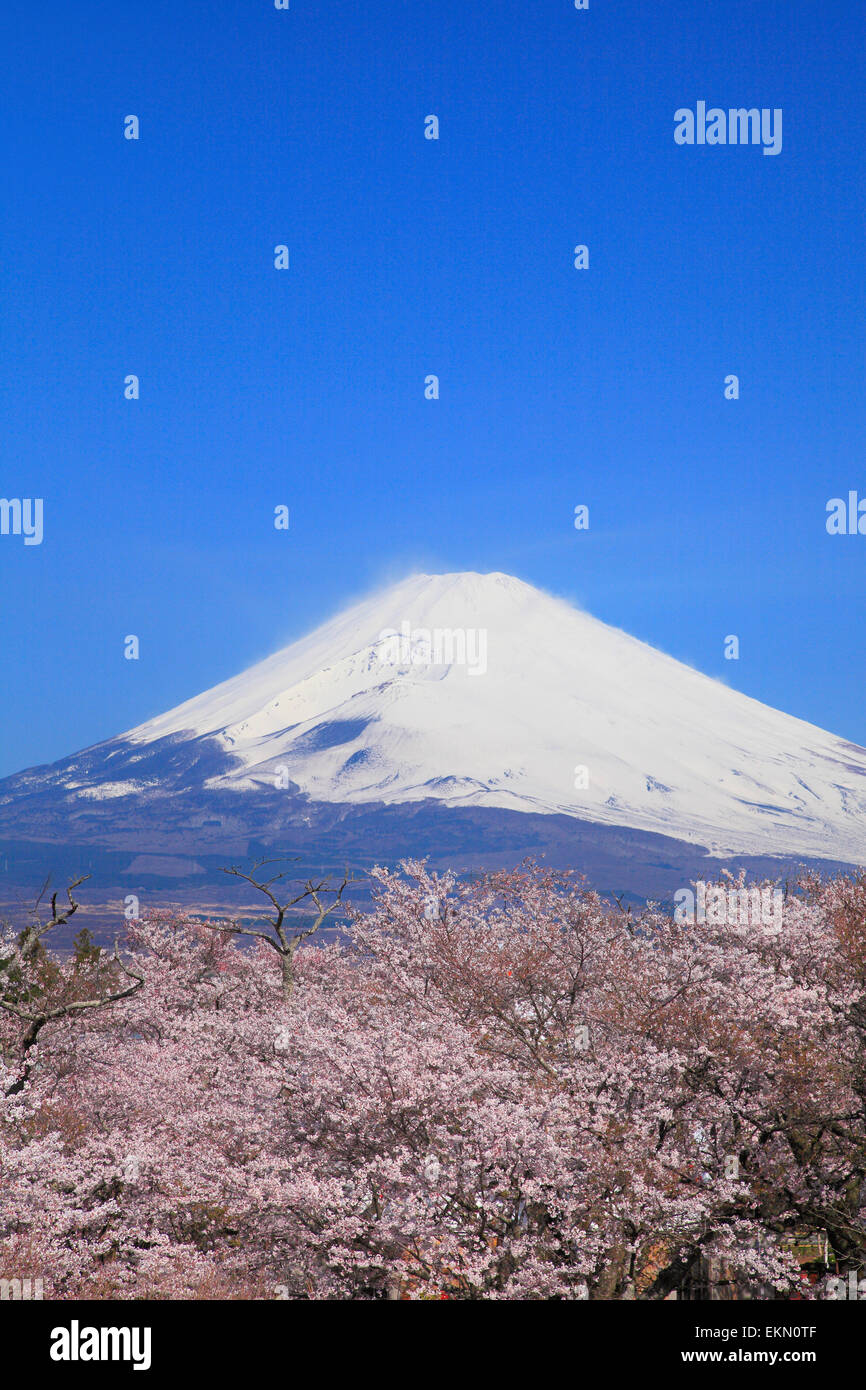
495 694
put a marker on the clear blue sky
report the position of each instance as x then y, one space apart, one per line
410 257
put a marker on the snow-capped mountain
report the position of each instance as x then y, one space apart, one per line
482 691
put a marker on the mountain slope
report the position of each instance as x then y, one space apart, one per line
348 715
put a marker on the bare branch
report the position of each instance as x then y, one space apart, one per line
38 1016
284 942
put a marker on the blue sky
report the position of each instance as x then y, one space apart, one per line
410 257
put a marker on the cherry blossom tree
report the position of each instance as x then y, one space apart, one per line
504 1088
503 1036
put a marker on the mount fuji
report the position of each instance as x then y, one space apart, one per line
479 701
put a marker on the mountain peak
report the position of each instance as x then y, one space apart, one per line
469 585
